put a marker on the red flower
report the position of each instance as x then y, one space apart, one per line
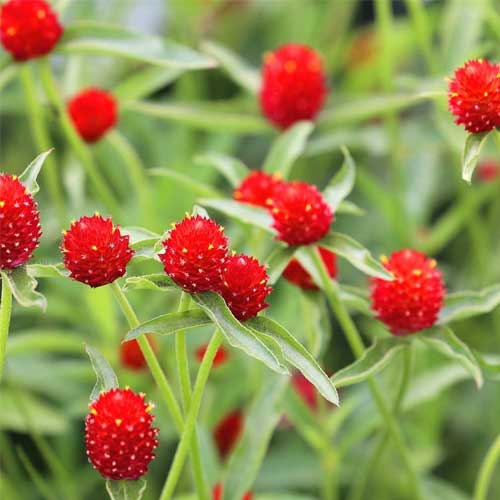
95 252
221 355
293 85
28 28
257 189
228 431
194 251
118 435
412 301
93 112
296 274
301 215
474 96
218 489
488 171
244 286
305 390
131 355
20 228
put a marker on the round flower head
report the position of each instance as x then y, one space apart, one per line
296 274
228 431
474 96
293 85
257 189
131 356
244 286
194 251
95 252
218 490
488 171
301 215
28 28
412 301
119 438
93 112
221 356
20 228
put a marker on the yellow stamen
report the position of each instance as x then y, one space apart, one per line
384 259
2 203
93 247
118 421
308 207
149 408
417 272
432 263
211 247
93 411
184 250
290 66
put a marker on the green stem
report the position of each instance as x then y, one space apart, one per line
192 414
5 311
354 339
486 471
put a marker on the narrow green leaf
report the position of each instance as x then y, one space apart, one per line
37 341
143 242
356 299
231 168
29 176
195 186
342 183
23 287
167 324
156 282
235 332
106 378
287 148
277 262
296 354
471 153
126 490
349 208
462 305
374 360
137 234
47 270
489 363
40 482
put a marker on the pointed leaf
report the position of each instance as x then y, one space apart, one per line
106 378
277 262
137 234
126 490
356 299
349 208
23 287
231 168
47 270
471 153
489 363
342 183
29 176
156 282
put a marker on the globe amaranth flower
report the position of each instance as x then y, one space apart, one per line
293 85
93 112
131 356
218 490
301 215
488 171
28 28
227 431
94 251
257 189
474 96
194 253
20 228
244 286
119 436
412 301
296 274
221 356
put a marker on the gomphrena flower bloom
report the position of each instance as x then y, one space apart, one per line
28 28
474 96
93 112
20 228
257 189
296 274
218 490
244 286
488 171
94 251
119 437
301 215
131 356
412 301
293 85
194 252
227 431
221 356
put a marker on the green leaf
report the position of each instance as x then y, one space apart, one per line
349 208
348 248
106 378
231 168
287 148
244 75
277 262
356 299
47 270
29 176
243 212
126 490
44 341
236 333
471 153
342 183
374 360
156 282
462 305
296 354
489 363
167 324
23 287
137 234
195 186
443 340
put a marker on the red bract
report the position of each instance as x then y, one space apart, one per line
218 489
296 274
131 355
227 432
221 355
118 434
244 286
412 301
488 171
28 28
474 96
20 228
194 251
301 215
93 112
95 252
305 390
257 189
293 85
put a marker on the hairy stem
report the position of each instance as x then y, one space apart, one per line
5 311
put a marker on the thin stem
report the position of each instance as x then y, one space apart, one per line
194 407
5 311
486 471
